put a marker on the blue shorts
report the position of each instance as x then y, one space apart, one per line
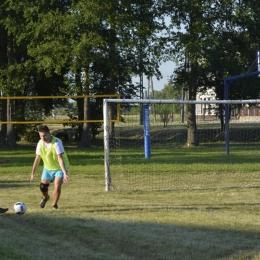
51 174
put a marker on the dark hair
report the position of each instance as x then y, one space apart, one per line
44 128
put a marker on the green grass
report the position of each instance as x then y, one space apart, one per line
94 224
185 168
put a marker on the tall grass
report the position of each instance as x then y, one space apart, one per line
94 224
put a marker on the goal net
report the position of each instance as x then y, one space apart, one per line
171 164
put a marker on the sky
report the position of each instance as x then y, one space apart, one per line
166 71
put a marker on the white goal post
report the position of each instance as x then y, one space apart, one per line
107 121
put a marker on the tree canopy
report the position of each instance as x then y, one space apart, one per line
83 47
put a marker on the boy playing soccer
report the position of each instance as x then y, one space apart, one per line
55 165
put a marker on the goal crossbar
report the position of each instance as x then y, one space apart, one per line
174 101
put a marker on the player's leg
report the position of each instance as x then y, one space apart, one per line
44 189
57 191
3 210
44 186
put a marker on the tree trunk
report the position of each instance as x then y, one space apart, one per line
11 141
112 85
192 139
84 140
3 118
221 117
80 106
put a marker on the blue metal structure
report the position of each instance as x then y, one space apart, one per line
227 81
147 141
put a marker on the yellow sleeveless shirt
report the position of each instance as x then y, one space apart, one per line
50 158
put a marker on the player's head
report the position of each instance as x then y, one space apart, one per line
44 133
44 128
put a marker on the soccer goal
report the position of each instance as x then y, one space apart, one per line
146 149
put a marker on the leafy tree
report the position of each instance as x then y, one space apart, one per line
233 53
96 41
19 73
164 112
170 91
198 19
206 46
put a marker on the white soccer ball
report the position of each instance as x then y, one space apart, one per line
19 208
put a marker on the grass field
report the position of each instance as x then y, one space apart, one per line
94 224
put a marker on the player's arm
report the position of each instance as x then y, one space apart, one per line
35 165
63 168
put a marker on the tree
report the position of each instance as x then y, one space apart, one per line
233 53
20 73
194 28
92 40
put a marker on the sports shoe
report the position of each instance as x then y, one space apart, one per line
43 202
55 207
3 210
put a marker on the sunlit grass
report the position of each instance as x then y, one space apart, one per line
94 224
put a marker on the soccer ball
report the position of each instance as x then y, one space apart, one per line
19 208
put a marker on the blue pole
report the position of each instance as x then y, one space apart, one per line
147 141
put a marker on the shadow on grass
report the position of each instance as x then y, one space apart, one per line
90 238
126 208
6 184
